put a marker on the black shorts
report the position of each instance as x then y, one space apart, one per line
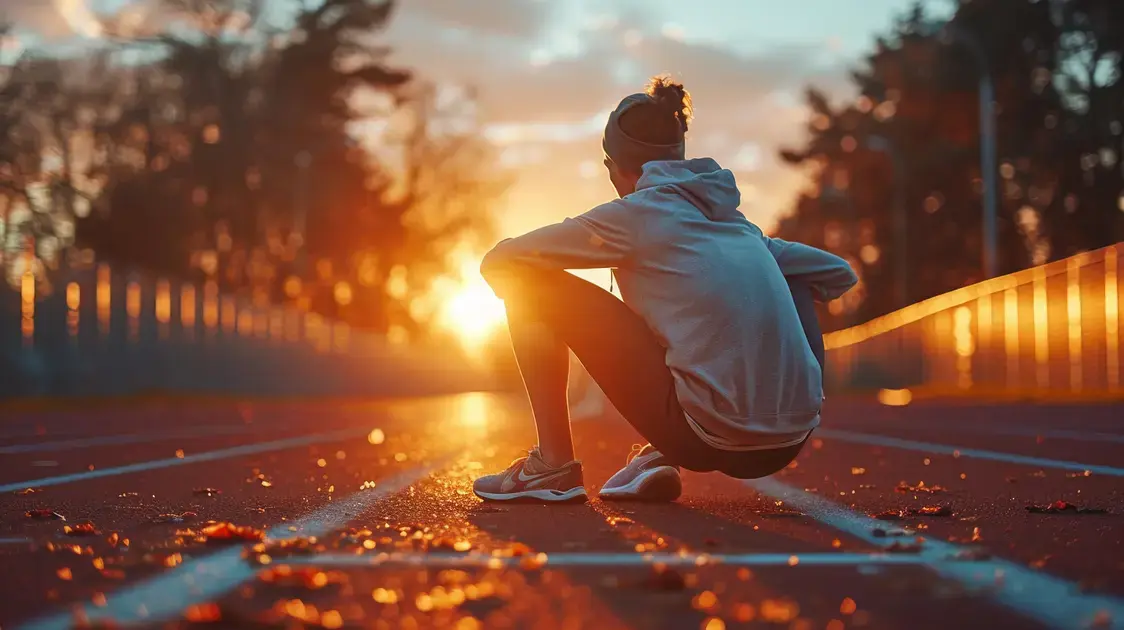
628 363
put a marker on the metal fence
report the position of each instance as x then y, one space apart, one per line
1052 329
105 332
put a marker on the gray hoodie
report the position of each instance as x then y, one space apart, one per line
713 289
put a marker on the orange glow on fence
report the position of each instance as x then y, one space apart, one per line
187 306
229 314
1073 317
1041 330
73 296
27 304
965 346
210 304
103 296
1011 334
983 321
133 300
133 307
276 323
73 301
1032 320
163 302
261 324
1112 319
245 321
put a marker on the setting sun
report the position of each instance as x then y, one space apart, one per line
472 310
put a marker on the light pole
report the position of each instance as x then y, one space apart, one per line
901 233
988 159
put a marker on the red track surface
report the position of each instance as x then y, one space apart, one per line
460 438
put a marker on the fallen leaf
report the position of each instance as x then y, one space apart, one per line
222 533
856 471
206 492
80 529
935 510
26 491
1063 507
889 515
779 611
44 515
296 546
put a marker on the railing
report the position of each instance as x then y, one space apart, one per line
104 331
1052 329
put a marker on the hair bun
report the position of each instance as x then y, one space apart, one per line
671 97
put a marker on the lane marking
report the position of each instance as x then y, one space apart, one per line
948 449
977 429
577 559
208 456
127 438
17 540
1039 596
208 578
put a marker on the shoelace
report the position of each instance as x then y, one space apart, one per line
636 450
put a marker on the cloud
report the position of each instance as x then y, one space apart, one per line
39 16
549 109
517 18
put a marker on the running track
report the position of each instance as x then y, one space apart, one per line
799 550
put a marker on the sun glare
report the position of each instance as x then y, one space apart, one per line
472 310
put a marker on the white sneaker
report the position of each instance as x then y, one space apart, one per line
646 477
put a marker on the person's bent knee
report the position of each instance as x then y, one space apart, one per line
499 272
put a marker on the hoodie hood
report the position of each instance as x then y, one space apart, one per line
709 187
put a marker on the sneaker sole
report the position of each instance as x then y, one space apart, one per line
658 484
545 496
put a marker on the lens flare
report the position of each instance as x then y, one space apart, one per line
472 311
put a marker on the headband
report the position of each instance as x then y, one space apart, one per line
629 153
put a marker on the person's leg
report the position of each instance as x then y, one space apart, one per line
544 363
614 345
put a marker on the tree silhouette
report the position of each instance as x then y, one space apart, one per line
914 130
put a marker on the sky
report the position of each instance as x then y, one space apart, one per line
547 72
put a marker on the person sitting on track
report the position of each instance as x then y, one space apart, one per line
714 354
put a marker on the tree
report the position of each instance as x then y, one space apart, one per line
238 157
918 95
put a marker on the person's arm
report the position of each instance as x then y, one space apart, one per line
827 275
604 237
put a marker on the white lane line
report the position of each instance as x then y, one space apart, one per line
127 438
949 449
955 428
16 540
581 559
208 456
1046 599
208 578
